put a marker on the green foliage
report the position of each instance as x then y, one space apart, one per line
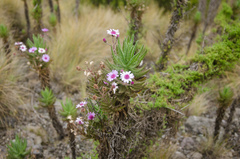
197 17
113 3
68 109
172 85
17 149
48 98
37 10
35 59
52 20
125 58
37 42
225 96
177 80
128 58
4 33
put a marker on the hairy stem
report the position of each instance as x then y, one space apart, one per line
27 17
58 12
45 82
136 22
212 12
72 140
51 5
230 118
220 114
56 123
177 16
76 8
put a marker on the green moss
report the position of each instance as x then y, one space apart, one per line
176 81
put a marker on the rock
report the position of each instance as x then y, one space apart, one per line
196 155
178 155
39 132
37 151
199 125
188 143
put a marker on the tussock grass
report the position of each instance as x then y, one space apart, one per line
211 150
11 94
162 151
76 43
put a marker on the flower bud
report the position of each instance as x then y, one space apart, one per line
104 89
28 63
83 110
132 83
102 64
95 86
104 40
88 74
91 63
78 68
86 62
95 97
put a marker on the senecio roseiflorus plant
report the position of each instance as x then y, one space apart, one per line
110 87
39 60
18 149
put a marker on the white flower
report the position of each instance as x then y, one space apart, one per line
18 43
112 75
69 117
23 48
115 87
81 104
127 76
41 50
113 32
91 63
79 121
99 72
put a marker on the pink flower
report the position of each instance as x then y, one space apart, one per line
79 121
113 32
132 83
91 116
127 77
23 48
112 75
18 43
104 40
45 58
44 30
81 104
41 50
115 87
32 50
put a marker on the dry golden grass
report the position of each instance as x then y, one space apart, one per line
211 150
162 151
76 43
11 94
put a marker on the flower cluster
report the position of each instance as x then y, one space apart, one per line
90 115
37 53
115 34
125 76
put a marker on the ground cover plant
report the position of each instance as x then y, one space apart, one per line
128 79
